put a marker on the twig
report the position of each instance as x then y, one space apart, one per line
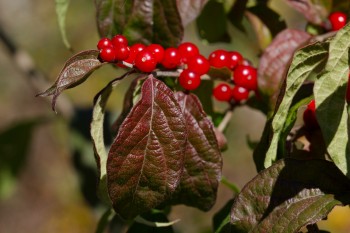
36 79
227 118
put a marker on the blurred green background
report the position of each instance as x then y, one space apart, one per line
42 159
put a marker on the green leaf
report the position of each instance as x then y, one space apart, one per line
76 70
145 161
61 11
104 221
152 223
289 195
96 131
202 162
304 63
14 144
144 21
236 14
269 17
221 220
330 90
212 23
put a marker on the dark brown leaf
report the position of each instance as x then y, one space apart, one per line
289 195
145 161
76 70
203 162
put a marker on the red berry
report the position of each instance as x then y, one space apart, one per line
219 58
171 58
189 80
157 50
145 61
222 92
239 93
199 64
245 76
337 20
107 54
134 50
118 40
187 50
234 59
121 52
309 116
104 43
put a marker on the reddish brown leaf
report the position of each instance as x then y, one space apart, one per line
314 11
76 70
203 162
275 59
145 161
189 10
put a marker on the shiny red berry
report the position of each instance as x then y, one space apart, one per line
337 20
187 50
219 58
145 61
157 50
107 54
245 76
199 64
121 52
134 50
189 80
118 40
104 43
222 92
171 58
234 59
239 93
309 116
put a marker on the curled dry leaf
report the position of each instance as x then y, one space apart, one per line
275 59
145 161
189 10
202 162
76 70
314 11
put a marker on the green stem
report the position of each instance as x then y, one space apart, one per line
230 185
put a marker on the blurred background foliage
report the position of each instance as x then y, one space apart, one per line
47 170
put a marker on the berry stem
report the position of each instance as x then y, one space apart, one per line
126 64
230 185
175 74
323 37
223 124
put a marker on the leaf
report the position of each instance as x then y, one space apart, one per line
14 145
236 14
104 221
145 161
189 10
221 220
144 21
212 23
269 17
203 162
131 96
330 90
76 70
313 11
305 61
152 223
61 11
289 195
275 60
97 136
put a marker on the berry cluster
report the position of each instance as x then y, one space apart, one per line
337 20
187 58
244 76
